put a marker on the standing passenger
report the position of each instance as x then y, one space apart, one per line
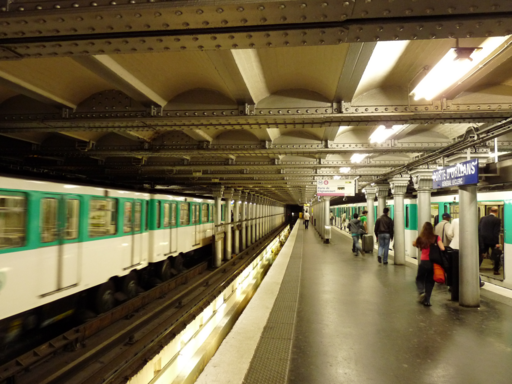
356 228
306 219
384 233
489 236
364 220
443 229
344 221
425 276
331 218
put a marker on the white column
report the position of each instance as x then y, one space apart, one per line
327 220
236 219
422 179
399 188
382 194
228 251
245 206
218 231
253 218
370 193
469 284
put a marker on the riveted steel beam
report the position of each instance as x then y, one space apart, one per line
81 27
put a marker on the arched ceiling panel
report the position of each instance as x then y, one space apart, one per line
236 137
294 136
357 135
171 73
314 68
201 99
61 77
6 93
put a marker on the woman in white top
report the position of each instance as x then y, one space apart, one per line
454 233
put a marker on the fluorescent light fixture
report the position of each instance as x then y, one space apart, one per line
345 169
335 178
71 186
358 157
382 133
198 200
453 67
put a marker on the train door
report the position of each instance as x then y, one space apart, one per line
487 264
195 223
60 247
434 214
132 241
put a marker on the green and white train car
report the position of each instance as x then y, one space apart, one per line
449 204
59 241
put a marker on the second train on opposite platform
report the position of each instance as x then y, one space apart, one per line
447 203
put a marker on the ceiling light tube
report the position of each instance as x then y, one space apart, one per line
345 169
358 157
453 67
382 133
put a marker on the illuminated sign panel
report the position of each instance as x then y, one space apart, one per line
456 175
336 187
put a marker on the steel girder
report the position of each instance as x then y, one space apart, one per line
81 27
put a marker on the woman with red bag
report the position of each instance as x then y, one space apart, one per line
425 277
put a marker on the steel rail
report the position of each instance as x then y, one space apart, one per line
25 368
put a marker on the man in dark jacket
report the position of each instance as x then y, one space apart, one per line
356 229
489 236
384 233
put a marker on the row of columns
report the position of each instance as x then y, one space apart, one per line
258 217
468 225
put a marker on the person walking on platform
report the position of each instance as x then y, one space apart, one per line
444 230
425 277
455 245
489 237
343 221
384 233
364 220
356 229
306 219
331 218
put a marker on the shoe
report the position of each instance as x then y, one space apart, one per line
355 254
421 297
385 263
362 253
497 273
379 258
482 283
427 303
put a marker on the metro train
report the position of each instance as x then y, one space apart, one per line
64 245
448 203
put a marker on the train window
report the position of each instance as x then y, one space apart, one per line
204 216
49 220
147 215
127 222
72 215
102 217
195 214
12 221
173 215
406 216
158 214
138 216
167 212
184 214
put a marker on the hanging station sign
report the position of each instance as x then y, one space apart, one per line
456 175
336 187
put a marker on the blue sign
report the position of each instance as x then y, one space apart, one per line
456 175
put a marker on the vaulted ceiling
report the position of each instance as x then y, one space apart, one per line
266 96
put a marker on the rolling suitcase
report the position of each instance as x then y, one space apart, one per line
367 241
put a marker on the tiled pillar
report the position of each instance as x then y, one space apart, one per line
218 230
422 179
399 188
228 194
236 219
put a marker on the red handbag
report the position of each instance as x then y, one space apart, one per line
439 276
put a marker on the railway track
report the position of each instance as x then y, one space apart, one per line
113 347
